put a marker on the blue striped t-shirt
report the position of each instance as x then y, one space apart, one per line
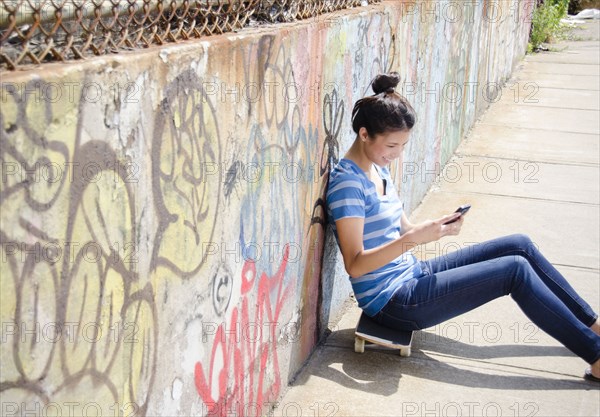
352 194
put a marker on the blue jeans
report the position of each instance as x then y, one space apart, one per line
463 280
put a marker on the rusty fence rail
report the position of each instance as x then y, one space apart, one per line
39 31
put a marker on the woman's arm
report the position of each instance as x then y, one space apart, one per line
359 261
405 224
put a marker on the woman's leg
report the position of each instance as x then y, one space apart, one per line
519 245
431 299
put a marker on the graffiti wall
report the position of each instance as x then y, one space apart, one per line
163 230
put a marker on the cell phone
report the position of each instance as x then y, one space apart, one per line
462 210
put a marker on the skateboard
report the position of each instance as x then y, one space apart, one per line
370 331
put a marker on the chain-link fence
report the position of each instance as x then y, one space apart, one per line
38 31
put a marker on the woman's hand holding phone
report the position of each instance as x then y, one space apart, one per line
432 230
462 210
453 223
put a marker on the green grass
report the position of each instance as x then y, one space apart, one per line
545 25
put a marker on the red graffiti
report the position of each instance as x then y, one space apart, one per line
242 354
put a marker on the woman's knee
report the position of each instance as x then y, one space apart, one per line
521 240
521 263
511 244
522 271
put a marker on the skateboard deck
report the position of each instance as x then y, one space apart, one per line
370 331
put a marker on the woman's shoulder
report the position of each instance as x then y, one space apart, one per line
345 174
345 170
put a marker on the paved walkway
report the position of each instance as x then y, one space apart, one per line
530 165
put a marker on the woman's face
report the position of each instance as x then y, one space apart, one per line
383 148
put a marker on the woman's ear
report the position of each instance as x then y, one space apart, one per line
363 134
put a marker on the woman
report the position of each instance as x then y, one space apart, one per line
397 290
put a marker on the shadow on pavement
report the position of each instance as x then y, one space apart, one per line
381 370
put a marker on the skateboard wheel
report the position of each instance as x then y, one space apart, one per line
359 345
405 351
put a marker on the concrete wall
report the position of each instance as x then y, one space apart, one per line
162 211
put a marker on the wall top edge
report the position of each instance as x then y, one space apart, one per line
27 73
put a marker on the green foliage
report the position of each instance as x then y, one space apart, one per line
545 25
562 7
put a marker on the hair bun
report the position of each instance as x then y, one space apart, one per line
385 82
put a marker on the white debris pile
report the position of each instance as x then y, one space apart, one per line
581 17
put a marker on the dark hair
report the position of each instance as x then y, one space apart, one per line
384 111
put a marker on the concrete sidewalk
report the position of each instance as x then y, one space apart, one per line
530 165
